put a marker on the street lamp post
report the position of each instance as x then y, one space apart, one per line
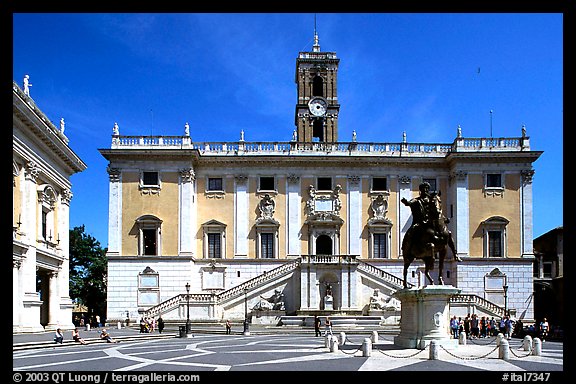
187 308
246 325
505 287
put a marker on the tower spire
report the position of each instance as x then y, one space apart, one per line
316 47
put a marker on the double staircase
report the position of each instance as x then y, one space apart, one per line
235 295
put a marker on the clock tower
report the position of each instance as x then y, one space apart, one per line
317 107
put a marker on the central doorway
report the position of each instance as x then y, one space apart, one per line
323 245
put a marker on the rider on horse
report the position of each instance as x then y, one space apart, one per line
420 207
427 220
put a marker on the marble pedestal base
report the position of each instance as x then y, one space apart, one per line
425 316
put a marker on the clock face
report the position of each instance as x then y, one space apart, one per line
318 106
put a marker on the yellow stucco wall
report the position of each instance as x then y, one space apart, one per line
483 207
219 207
163 205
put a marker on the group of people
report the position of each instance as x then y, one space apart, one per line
104 335
149 325
476 328
318 325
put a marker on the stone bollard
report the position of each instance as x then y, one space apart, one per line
87 327
367 347
333 344
374 337
462 338
504 351
499 339
537 350
434 348
342 339
327 340
119 326
527 343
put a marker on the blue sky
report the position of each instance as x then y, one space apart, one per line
422 73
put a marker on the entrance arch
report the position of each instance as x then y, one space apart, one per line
324 245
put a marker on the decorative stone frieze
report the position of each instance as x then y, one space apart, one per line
66 196
354 179
187 175
527 176
404 179
32 171
241 179
113 174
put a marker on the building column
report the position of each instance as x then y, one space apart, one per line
293 215
527 206
63 238
354 215
30 312
186 209
16 300
241 229
115 212
53 302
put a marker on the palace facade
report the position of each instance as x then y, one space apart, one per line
42 164
205 230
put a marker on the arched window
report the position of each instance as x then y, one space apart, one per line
318 130
149 231
324 245
47 205
318 86
494 234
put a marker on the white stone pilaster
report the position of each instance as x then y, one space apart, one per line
293 215
527 215
354 215
241 217
404 214
115 212
462 214
186 196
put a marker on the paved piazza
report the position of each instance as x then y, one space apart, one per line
280 352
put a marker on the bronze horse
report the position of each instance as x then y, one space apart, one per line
428 237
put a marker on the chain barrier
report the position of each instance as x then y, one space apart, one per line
401 357
520 356
470 357
477 343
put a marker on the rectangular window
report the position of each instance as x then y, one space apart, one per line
379 246
324 183
494 243
150 179
379 184
267 245
214 246
494 180
267 183
149 241
215 184
44 224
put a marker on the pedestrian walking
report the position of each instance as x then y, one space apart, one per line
317 323
328 325
228 327
160 323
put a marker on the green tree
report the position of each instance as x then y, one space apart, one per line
88 272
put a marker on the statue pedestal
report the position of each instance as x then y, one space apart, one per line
425 316
328 303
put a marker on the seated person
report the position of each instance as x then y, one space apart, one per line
58 336
76 336
104 335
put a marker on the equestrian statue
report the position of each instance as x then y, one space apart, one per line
428 235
